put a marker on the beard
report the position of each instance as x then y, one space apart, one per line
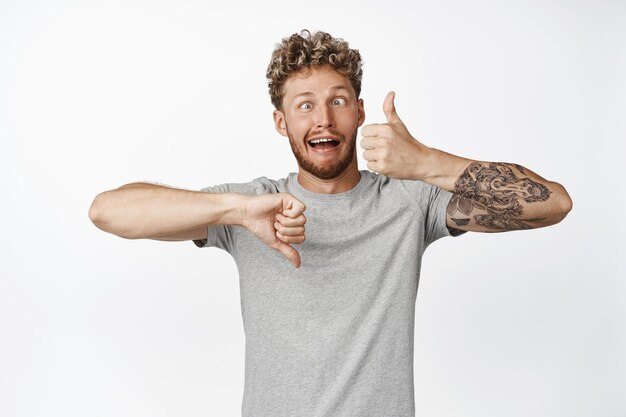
325 172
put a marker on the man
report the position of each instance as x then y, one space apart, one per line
329 319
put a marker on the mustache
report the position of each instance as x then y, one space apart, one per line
331 131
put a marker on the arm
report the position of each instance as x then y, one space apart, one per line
488 196
149 211
496 196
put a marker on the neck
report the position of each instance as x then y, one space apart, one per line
343 182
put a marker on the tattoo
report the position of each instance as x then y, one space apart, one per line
497 191
520 168
499 222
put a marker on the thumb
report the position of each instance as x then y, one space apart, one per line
289 252
390 108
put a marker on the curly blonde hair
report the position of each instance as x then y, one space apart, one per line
304 50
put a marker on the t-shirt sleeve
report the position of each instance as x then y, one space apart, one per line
432 202
223 235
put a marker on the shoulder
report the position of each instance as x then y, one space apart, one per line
260 185
406 188
418 194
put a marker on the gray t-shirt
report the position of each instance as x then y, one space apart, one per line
334 338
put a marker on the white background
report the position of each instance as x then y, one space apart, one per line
97 94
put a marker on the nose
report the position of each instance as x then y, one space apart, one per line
324 117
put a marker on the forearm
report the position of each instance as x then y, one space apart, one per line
496 196
142 210
488 196
439 168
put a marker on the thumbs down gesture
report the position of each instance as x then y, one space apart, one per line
389 148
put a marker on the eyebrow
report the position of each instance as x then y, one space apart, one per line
333 88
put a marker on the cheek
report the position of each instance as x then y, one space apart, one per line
349 120
298 127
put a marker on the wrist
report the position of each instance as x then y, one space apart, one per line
239 208
442 169
425 163
231 208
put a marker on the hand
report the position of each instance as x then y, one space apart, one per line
389 148
277 220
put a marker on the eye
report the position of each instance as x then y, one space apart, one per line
305 106
339 101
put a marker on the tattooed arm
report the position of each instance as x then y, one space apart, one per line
488 196
497 196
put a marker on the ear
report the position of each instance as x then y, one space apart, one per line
279 122
361 110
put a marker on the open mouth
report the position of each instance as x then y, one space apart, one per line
323 143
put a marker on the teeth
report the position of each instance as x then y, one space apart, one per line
321 140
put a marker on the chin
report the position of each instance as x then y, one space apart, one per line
329 171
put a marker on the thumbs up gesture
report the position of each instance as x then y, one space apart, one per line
389 148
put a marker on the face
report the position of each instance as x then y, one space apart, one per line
321 115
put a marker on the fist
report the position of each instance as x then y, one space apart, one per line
389 148
278 221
